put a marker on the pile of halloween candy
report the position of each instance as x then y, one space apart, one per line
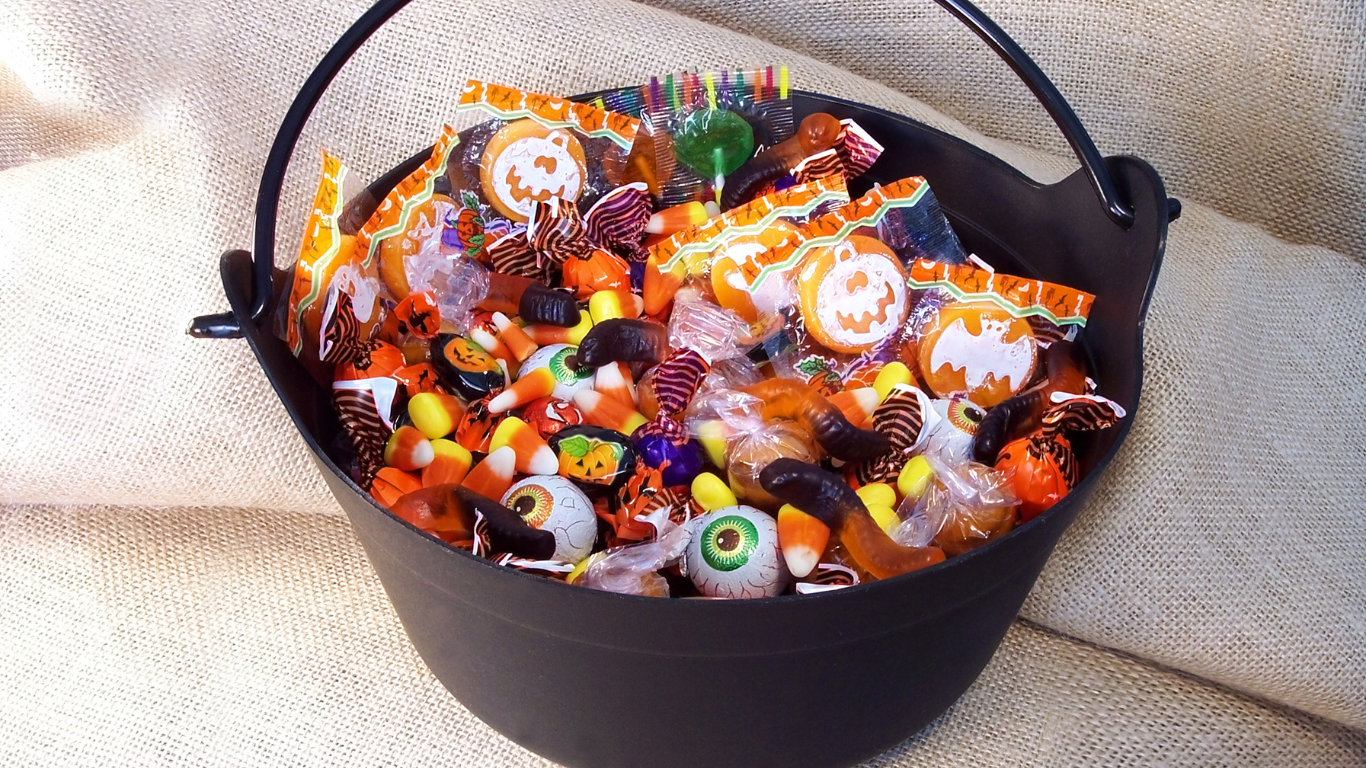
651 345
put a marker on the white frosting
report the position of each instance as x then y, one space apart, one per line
536 168
349 279
862 299
984 355
773 293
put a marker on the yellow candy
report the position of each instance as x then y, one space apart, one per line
885 516
435 414
712 492
877 493
712 435
891 375
914 477
583 566
605 305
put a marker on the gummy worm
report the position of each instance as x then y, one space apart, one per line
455 509
531 299
1022 414
817 133
829 499
624 341
792 399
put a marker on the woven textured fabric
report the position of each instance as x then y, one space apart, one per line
228 637
1254 107
1226 540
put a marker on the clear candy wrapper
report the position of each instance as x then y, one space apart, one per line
714 121
715 333
634 569
965 505
920 231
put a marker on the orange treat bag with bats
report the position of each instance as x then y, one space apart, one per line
978 333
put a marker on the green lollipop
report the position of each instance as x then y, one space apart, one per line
714 143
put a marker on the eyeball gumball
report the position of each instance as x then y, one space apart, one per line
951 437
563 362
552 503
734 554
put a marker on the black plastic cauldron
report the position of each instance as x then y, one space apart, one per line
589 678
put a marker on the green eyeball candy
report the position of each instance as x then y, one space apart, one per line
734 553
562 360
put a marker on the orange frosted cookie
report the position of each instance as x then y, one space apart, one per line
728 279
977 349
526 162
853 295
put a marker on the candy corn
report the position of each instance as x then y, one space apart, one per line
679 217
391 484
660 287
435 414
450 464
492 477
534 456
408 449
553 334
712 492
614 380
533 386
603 411
857 405
514 337
494 346
713 435
891 376
914 477
885 517
877 493
802 539
613 304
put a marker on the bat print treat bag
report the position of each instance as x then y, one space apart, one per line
706 420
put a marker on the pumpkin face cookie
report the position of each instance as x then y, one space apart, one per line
525 163
979 350
732 285
853 296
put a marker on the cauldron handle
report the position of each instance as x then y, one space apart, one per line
272 177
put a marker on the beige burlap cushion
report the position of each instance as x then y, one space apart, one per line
228 637
1226 540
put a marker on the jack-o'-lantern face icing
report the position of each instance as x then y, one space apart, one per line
979 350
525 163
853 296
